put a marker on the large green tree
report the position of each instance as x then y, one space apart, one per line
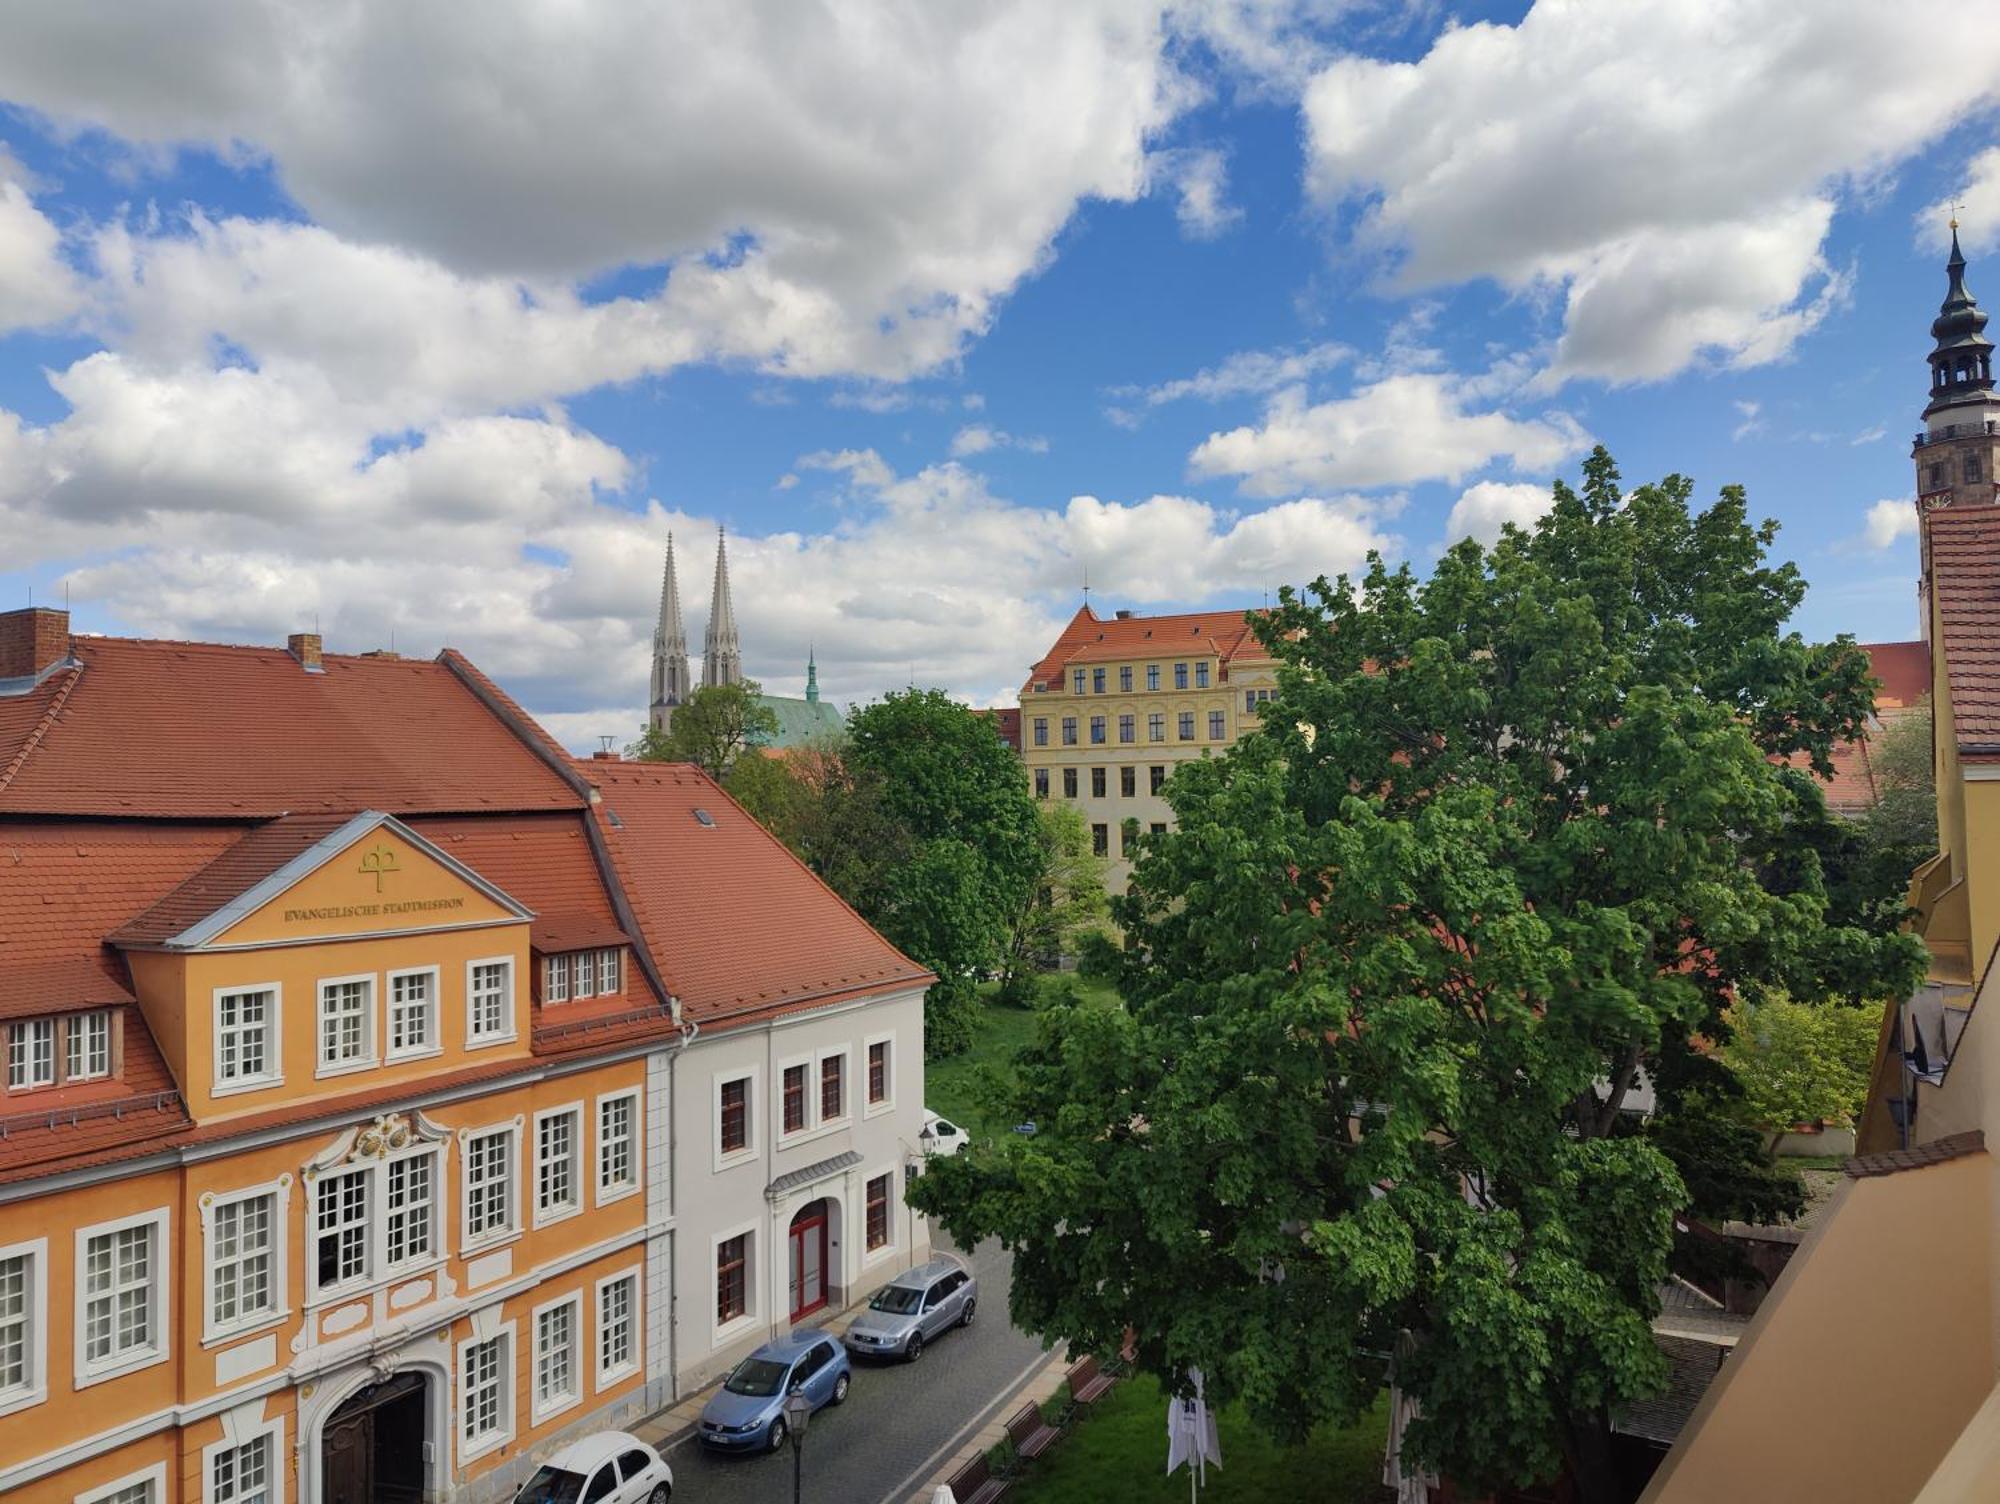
1512 836
1066 899
1800 1062
711 728
959 793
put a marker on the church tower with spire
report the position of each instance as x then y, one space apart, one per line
721 652
670 649
1959 450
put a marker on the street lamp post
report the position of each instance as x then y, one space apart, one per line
798 1410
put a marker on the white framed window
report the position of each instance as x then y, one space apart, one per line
147 1486
24 1324
245 1252
558 1381
342 1216
489 1184
878 1074
247 1023
31 1054
346 1024
87 1046
878 1224
555 979
558 1161
583 967
733 1257
121 1310
409 1199
609 972
617 1145
734 1095
245 1469
413 1013
831 1088
617 1328
486 1393
489 1000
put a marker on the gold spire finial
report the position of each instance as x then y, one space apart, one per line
1956 205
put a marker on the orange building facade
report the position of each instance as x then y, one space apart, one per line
342 1013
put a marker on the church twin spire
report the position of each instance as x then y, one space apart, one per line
722 652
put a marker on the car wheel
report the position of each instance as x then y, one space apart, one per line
661 1494
774 1440
840 1389
916 1348
965 1318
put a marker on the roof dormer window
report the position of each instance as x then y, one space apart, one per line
59 1050
575 976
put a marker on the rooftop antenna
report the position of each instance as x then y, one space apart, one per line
604 742
1086 582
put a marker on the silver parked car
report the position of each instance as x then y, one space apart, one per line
914 1308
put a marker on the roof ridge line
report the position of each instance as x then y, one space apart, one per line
34 738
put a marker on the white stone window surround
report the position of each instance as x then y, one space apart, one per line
754 1075
468 1242
273 1073
431 1007
214 1332
558 1211
809 1119
816 1126
604 1194
540 1408
369 1051
634 1325
888 1103
371 1148
472 1447
870 1174
244 1427
477 1038
34 1387
723 1333
159 1348
845 1054
153 1480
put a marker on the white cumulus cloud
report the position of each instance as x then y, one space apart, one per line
1482 510
1890 520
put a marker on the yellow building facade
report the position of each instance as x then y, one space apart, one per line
1117 703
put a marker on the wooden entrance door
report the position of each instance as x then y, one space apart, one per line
809 1260
372 1451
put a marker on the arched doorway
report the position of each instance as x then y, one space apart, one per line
811 1272
372 1448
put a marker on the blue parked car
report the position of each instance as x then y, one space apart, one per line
747 1412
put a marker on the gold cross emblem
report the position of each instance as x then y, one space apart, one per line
379 863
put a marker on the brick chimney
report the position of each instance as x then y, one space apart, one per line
304 646
33 640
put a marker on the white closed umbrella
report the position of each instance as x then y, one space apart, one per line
1191 1438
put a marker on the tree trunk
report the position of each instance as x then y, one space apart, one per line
1586 1444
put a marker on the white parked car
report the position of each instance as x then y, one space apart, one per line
612 1467
940 1137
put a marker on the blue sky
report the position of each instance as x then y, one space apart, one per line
426 335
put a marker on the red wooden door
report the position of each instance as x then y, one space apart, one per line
808 1265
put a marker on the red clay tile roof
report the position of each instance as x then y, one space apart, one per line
739 926
239 869
195 730
1938 1151
1965 583
1090 637
545 863
25 719
43 1133
65 885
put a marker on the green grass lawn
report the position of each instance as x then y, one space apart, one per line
1118 1455
951 1086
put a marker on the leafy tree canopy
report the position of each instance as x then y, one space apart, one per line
1512 836
1066 900
715 724
1801 1062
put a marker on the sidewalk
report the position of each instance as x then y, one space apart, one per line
994 1430
668 1428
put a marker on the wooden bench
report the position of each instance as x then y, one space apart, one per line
1087 1382
1030 1434
975 1484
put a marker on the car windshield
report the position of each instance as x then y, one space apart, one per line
758 1377
897 1300
943 1129
552 1485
